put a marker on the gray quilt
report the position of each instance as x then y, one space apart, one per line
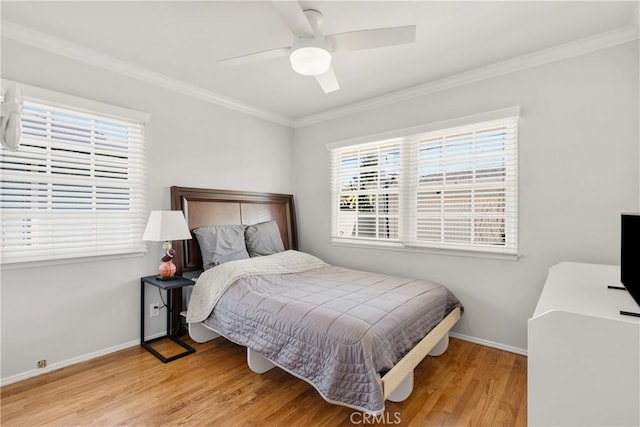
339 329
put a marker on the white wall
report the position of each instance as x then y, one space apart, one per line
579 151
578 148
67 311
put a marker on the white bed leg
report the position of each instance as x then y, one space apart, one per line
200 333
441 347
257 362
403 390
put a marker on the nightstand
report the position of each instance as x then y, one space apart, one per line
169 286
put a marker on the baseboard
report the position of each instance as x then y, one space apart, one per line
487 343
89 356
63 364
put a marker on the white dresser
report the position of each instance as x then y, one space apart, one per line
583 356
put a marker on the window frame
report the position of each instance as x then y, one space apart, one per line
409 137
74 104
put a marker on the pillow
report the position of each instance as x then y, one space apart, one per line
220 244
263 239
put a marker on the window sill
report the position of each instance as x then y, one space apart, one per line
64 261
399 247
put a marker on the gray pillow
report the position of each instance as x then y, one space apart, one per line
220 244
263 239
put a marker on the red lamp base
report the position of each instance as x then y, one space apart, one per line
167 270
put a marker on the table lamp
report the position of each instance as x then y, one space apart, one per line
166 226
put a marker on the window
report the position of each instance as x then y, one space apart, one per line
452 188
75 187
369 192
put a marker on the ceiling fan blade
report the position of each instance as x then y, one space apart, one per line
293 16
258 56
328 81
368 39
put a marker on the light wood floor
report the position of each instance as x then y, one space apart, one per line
468 385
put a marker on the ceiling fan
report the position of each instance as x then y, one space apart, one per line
311 51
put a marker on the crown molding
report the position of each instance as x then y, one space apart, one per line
579 47
70 50
564 51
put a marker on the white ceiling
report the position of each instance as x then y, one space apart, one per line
186 40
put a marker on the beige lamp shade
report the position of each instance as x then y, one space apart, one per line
166 226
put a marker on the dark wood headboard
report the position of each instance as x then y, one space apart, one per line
204 207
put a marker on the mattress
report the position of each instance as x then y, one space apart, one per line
338 329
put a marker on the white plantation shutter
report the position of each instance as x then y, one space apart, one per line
453 188
366 191
75 187
463 188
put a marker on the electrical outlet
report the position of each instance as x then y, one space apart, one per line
154 309
42 363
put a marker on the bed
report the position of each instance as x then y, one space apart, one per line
355 336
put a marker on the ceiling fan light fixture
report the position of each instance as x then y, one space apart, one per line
310 60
